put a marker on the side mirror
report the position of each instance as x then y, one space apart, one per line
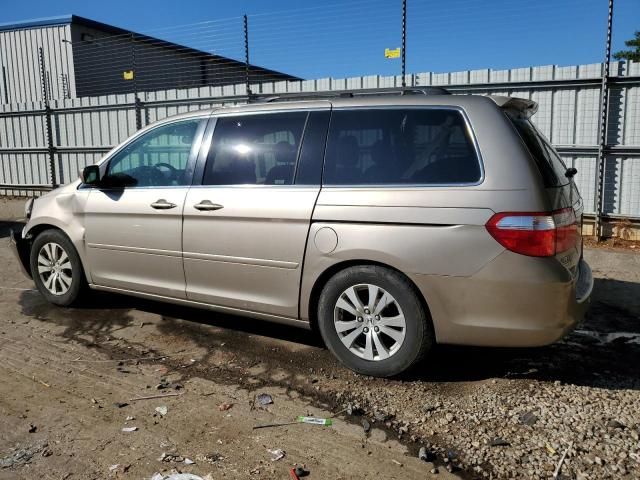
90 175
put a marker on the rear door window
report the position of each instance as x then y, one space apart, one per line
419 146
260 149
549 163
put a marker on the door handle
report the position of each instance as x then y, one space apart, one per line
162 204
206 205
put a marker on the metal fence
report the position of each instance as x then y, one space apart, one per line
115 81
84 129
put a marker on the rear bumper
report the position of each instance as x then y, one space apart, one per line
21 248
512 302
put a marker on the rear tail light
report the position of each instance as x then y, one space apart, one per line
535 234
567 229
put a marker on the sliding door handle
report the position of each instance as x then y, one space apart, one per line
207 205
162 204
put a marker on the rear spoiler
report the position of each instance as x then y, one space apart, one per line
523 106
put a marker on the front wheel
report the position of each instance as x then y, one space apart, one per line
372 319
56 268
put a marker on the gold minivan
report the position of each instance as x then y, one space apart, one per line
389 222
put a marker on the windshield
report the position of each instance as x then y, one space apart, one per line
551 166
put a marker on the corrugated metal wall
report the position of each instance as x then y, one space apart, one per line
96 67
568 98
157 64
20 78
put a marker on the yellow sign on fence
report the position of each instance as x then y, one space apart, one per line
392 53
127 74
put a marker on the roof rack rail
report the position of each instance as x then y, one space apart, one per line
287 97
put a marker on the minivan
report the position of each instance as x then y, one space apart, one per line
386 222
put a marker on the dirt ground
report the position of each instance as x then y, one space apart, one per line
65 374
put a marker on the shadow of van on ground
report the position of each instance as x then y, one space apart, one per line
602 352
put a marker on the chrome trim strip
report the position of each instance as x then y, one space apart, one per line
408 186
260 262
218 308
147 251
261 186
120 189
381 222
266 110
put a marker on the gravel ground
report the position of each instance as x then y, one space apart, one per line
519 411
499 413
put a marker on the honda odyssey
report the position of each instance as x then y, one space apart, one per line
387 222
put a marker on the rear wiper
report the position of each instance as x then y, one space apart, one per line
570 172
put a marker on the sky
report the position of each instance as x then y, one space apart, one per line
339 38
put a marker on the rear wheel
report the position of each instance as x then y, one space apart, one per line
372 319
56 268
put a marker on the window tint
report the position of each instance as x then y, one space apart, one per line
255 149
157 158
399 146
549 163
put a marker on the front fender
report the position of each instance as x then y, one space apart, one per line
73 230
43 220
62 209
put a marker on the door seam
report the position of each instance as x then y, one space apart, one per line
313 210
196 164
184 271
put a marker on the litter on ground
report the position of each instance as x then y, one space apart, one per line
179 476
276 455
315 420
264 399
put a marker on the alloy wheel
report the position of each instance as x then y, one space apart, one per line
369 322
54 268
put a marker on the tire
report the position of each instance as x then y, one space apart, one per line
381 349
66 288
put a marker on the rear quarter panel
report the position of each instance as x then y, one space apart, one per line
412 239
429 230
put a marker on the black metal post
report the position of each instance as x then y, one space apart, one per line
51 150
137 102
404 42
4 83
246 57
604 118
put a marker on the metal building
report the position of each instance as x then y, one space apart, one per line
83 57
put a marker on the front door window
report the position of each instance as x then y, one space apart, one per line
158 158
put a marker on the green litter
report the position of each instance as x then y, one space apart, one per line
315 420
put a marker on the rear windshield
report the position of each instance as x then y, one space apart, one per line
551 166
